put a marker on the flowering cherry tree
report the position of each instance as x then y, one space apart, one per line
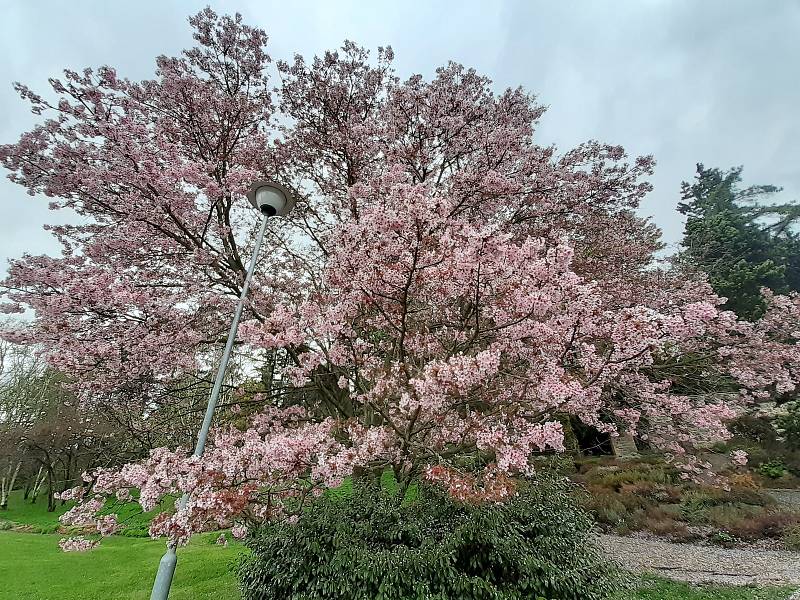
447 295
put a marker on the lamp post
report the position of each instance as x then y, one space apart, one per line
271 200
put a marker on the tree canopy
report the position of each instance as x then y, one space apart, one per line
445 294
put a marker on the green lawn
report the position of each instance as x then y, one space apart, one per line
35 516
32 567
663 589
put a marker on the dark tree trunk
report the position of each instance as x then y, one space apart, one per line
51 501
67 475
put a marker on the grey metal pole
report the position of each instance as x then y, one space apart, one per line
166 567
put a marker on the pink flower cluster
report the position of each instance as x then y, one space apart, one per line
739 457
282 457
77 544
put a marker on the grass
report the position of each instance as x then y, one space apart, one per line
664 589
35 515
34 568
134 522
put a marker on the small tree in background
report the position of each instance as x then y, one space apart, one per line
46 435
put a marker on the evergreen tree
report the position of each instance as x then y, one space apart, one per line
740 240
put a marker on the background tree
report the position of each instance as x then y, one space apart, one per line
739 240
48 438
22 401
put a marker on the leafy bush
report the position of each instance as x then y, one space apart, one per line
371 545
773 469
773 445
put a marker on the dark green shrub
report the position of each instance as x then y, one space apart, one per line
371 546
755 429
789 424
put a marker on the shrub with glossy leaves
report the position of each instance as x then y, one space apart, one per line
371 545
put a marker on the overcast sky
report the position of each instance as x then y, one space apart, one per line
687 81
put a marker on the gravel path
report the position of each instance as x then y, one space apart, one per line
704 564
788 499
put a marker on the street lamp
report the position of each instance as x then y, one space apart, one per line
271 200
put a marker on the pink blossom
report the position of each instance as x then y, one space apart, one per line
107 525
77 544
239 531
739 457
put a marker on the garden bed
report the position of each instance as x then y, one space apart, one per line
649 497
